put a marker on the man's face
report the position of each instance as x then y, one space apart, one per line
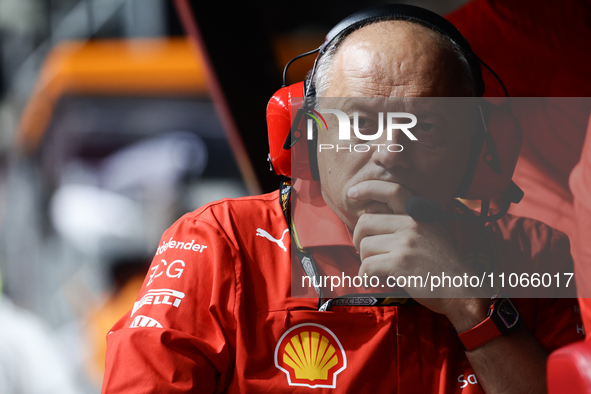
385 60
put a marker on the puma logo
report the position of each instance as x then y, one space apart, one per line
263 233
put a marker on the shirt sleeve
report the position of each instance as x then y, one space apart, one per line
180 334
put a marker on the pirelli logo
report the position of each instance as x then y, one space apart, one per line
159 297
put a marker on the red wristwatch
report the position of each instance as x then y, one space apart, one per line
502 318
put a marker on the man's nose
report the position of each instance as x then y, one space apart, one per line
391 153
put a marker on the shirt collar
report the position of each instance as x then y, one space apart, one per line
316 224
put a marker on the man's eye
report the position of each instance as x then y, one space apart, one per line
425 126
430 134
362 123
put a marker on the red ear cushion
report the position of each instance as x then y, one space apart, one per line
280 113
300 159
506 135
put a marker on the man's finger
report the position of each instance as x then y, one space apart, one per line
377 244
376 224
393 194
380 266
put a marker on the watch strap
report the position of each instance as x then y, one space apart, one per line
477 336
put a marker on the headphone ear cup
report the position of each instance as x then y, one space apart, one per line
281 112
279 118
492 177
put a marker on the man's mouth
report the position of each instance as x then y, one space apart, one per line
396 181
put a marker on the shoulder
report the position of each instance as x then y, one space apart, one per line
232 219
531 234
524 245
230 210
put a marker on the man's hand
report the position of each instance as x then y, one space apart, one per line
394 244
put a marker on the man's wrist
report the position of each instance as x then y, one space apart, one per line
468 313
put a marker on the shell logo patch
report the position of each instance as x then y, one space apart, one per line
310 355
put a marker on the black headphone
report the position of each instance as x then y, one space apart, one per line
494 148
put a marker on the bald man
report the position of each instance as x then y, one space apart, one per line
229 320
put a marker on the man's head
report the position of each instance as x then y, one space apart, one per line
385 59
398 35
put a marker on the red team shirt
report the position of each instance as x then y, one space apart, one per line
215 313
